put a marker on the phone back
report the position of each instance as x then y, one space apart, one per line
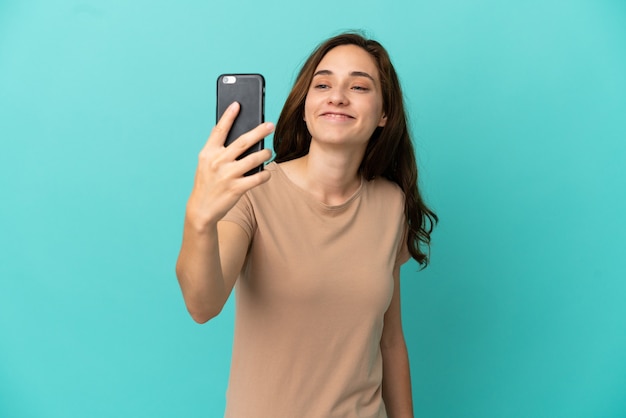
248 90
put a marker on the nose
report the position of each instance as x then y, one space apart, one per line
338 97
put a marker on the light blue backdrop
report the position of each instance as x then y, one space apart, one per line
518 111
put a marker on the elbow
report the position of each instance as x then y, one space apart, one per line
202 308
200 319
196 309
202 316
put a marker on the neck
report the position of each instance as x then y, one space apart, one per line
331 176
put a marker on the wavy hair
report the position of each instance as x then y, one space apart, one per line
389 152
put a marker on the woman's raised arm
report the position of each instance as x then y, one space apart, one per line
211 256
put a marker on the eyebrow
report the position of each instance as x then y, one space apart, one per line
353 74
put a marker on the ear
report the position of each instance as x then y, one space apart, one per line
383 121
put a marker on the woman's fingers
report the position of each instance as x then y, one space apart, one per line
220 130
249 139
251 161
215 142
254 180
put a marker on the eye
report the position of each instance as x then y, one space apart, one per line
321 86
360 88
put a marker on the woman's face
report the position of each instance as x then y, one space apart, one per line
344 102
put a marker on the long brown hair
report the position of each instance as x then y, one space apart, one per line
389 152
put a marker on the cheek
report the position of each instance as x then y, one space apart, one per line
380 112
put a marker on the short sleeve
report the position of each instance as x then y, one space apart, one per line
243 215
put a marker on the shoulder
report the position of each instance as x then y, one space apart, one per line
385 189
271 190
385 197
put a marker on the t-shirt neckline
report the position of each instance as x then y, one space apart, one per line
309 197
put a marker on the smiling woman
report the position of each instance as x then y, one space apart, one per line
344 104
318 332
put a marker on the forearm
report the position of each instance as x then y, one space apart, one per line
397 381
199 271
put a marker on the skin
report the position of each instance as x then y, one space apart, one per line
342 109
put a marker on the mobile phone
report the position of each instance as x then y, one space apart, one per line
249 91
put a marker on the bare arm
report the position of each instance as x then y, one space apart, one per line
212 253
208 266
396 374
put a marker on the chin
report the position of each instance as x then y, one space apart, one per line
339 141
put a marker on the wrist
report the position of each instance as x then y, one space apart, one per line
200 222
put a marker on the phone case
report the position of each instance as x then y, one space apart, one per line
249 91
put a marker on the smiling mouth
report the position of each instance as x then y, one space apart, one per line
332 115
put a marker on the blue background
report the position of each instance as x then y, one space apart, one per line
518 112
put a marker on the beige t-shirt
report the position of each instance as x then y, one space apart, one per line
311 298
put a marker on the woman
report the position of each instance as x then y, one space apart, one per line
314 243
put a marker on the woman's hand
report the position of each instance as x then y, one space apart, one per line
220 181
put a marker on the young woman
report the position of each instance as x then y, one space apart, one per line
314 243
